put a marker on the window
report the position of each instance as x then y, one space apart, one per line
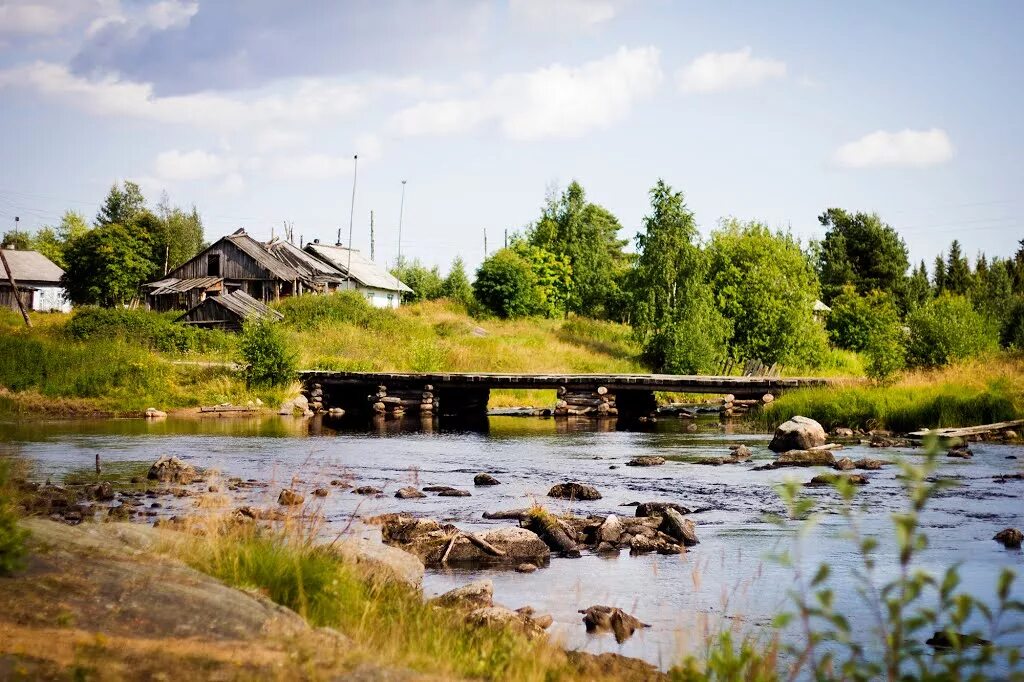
213 265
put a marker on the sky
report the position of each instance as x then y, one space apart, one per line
254 110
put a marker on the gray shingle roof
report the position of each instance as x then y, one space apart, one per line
314 270
173 285
364 270
31 267
262 255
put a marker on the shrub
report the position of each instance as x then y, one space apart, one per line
146 328
264 349
855 318
947 329
343 307
12 537
505 284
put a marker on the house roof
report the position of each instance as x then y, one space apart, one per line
173 285
364 270
262 255
820 307
314 270
240 303
31 267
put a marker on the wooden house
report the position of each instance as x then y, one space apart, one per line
380 287
227 311
236 262
38 280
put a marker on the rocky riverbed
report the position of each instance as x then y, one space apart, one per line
677 588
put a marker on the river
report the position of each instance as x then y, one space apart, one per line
726 579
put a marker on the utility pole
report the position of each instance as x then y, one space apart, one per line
351 218
485 242
506 237
16 221
371 237
14 289
398 263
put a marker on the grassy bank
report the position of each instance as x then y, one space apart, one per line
976 392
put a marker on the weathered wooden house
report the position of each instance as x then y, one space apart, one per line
38 280
380 287
236 262
227 311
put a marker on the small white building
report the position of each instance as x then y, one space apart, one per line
380 287
38 280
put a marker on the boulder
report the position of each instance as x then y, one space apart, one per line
845 464
960 451
454 493
869 464
383 562
321 492
430 540
475 595
842 432
437 488
804 458
289 497
656 508
823 480
526 567
1011 538
499 616
611 530
103 491
366 490
600 618
574 491
646 461
153 413
408 493
485 479
678 528
798 433
172 470
740 453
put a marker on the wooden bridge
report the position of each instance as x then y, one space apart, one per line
466 394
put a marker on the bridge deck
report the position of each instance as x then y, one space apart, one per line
613 382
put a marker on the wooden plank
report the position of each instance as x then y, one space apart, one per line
967 430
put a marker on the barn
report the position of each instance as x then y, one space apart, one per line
227 312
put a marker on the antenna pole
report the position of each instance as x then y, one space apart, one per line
371 236
485 242
398 263
351 218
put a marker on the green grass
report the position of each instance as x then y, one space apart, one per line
978 392
387 622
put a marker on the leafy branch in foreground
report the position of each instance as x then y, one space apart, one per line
965 632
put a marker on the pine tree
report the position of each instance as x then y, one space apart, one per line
958 270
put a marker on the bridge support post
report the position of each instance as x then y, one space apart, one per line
634 404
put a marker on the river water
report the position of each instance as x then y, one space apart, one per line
725 580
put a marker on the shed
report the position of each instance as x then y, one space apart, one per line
317 274
380 287
227 311
38 279
181 294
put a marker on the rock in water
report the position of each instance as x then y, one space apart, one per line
290 498
574 491
960 451
1010 537
475 595
172 470
740 453
600 618
526 567
829 479
367 490
678 528
408 493
798 433
611 530
454 493
842 432
804 458
869 464
646 461
485 479
845 464
656 508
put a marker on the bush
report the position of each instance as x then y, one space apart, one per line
264 349
146 328
1012 333
946 329
344 307
12 537
856 318
505 285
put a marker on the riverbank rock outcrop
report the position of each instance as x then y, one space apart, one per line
798 433
599 618
387 563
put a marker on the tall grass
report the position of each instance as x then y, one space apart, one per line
975 392
386 622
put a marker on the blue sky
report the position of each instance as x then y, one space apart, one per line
772 111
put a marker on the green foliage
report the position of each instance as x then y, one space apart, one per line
343 307
12 536
177 235
676 320
993 289
144 328
19 240
52 242
918 288
265 352
1012 333
122 205
552 279
947 329
426 283
106 265
456 286
505 285
869 323
586 236
861 250
910 602
765 285
958 271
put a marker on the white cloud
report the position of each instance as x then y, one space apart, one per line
555 101
273 139
907 148
562 14
32 18
718 71
197 164
308 102
167 14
